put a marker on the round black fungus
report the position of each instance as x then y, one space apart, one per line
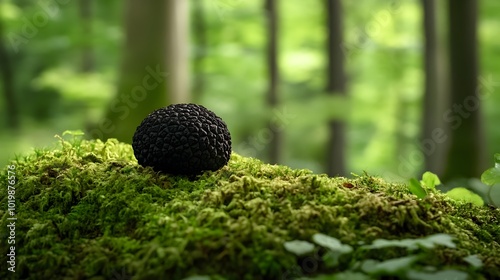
182 139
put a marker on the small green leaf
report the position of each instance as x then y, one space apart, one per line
442 239
430 180
474 260
390 266
299 247
331 243
412 244
491 176
416 188
463 194
331 258
495 194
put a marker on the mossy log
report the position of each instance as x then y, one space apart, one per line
87 210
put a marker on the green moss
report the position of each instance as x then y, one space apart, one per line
87 210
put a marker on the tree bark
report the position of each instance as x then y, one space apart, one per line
177 49
465 156
336 85
273 78
143 76
200 36
7 74
88 61
435 92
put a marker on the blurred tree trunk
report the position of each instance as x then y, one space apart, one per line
465 156
177 50
200 37
435 93
142 83
336 84
88 61
271 7
7 74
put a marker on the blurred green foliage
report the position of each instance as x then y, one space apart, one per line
383 48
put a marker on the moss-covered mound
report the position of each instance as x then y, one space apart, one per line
87 210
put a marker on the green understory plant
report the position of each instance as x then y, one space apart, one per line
478 192
412 264
491 178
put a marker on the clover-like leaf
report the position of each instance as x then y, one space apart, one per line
430 180
491 176
442 239
299 247
390 266
495 194
331 243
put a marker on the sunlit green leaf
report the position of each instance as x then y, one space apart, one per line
430 180
416 188
442 239
299 247
463 194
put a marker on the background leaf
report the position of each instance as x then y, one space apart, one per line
411 244
299 247
491 176
391 266
416 188
495 194
331 243
441 275
474 260
430 180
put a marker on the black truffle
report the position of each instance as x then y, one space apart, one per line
182 139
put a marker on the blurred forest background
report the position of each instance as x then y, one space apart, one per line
390 87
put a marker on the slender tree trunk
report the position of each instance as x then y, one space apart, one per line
273 77
336 84
88 61
177 50
435 93
200 35
143 76
7 75
465 156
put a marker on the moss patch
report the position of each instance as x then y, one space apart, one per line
87 210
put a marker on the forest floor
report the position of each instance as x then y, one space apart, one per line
87 210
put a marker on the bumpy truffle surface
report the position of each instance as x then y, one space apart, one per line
182 139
